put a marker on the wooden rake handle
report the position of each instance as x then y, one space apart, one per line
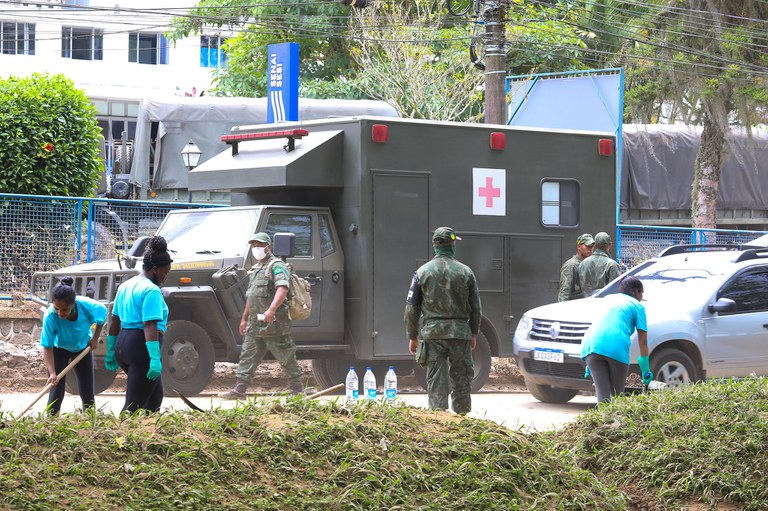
326 391
58 377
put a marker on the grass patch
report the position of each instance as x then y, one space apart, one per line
701 447
297 454
704 443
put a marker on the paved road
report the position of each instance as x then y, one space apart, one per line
514 410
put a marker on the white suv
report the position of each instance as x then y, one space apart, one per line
707 312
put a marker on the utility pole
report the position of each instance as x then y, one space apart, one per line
494 14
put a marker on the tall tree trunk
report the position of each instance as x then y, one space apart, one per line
709 161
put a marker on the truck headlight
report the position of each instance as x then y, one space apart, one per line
524 327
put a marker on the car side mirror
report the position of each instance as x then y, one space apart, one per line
722 305
136 251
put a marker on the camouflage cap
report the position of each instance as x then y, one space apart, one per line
585 239
444 236
603 238
261 237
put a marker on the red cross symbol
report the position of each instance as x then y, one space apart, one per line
489 192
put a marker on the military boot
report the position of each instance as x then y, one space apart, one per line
238 392
297 387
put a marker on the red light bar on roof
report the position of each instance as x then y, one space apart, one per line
291 135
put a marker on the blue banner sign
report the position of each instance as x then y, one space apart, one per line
283 82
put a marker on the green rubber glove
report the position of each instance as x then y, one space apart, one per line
587 372
110 362
645 370
155 364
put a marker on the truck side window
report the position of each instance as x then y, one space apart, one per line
299 225
326 238
560 205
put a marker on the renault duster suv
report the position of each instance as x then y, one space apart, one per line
707 313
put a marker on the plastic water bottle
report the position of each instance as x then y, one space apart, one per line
369 384
353 386
390 384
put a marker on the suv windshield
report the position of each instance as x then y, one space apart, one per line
209 231
663 279
667 283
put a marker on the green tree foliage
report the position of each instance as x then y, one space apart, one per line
318 27
710 61
411 58
49 138
543 38
699 62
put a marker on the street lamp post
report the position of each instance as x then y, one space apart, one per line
190 155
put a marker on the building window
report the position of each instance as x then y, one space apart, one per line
17 38
82 43
147 48
560 203
211 53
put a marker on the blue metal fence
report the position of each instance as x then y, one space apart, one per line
636 243
44 233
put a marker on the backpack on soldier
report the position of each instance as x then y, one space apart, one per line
299 298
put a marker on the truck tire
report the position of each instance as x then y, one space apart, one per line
547 394
674 367
329 372
102 379
482 361
188 358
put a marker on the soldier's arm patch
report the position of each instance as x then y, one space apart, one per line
414 293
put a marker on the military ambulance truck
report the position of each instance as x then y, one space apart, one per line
362 196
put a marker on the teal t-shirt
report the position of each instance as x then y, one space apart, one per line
72 335
610 334
139 300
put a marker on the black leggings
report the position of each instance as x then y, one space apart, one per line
84 372
131 353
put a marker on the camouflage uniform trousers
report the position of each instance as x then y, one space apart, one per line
254 349
450 366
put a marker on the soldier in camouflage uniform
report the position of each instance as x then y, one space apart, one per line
597 270
444 294
267 291
570 287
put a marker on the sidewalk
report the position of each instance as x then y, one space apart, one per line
513 410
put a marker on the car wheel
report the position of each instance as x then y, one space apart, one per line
102 378
188 358
674 367
547 394
481 358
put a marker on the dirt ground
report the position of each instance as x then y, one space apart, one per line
22 370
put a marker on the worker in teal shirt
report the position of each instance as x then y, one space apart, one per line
67 330
605 346
139 317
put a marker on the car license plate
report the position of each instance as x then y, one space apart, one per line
548 355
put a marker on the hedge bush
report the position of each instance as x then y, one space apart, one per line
49 137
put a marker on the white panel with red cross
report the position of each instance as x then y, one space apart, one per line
489 191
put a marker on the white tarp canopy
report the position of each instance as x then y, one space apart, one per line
203 120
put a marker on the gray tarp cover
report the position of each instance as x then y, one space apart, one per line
204 120
657 168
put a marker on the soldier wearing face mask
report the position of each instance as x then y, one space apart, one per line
267 291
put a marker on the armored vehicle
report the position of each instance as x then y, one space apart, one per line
362 196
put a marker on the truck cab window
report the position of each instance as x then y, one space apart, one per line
327 245
299 225
560 205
